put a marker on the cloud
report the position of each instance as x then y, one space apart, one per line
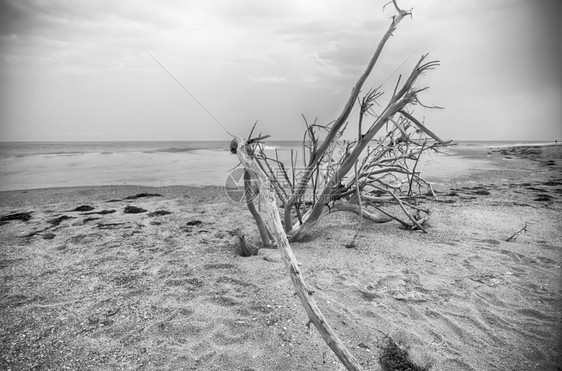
269 80
267 60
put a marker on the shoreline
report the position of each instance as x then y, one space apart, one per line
164 168
165 288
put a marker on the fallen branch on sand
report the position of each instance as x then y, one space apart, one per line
273 222
513 237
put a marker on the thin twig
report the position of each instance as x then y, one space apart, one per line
513 237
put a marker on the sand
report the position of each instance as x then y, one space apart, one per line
165 288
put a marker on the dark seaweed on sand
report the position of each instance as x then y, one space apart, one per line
59 220
24 217
159 213
543 197
102 212
137 196
84 208
394 358
144 194
133 210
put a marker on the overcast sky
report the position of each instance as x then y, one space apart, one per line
79 69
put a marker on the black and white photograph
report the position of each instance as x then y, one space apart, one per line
281 185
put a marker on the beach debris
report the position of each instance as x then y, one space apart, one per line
188 227
352 244
84 208
159 213
246 247
553 183
513 237
109 225
135 197
394 357
364 346
102 212
60 219
23 216
481 192
141 195
543 197
272 259
536 189
112 311
129 209
86 220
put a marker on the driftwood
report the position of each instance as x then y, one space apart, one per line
385 185
514 236
246 247
384 182
273 221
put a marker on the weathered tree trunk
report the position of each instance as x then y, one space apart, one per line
273 220
250 195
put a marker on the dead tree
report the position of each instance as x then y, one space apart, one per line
385 184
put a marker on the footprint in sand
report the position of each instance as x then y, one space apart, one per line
411 294
85 238
488 279
407 289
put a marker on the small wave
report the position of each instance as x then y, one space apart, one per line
537 144
183 149
172 150
500 144
23 155
59 153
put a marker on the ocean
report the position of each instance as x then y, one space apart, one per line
29 165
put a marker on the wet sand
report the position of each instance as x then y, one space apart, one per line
137 278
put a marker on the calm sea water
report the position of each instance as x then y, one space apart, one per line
28 165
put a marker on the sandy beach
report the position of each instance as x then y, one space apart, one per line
150 278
